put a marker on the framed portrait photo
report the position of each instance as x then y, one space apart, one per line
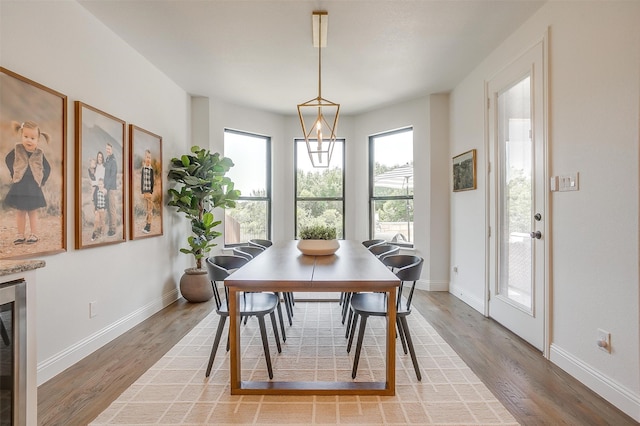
32 171
145 183
464 171
100 179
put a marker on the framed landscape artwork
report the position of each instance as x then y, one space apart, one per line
145 183
464 171
32 177
100 181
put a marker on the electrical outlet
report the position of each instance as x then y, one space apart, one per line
93 309
604 340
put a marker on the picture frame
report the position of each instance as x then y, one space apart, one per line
32 187
99 188
145 188
464 171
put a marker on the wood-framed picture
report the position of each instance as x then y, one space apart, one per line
464 171
100 178
33 136
145 183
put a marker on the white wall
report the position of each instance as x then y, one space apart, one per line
61 46
429 117
594 74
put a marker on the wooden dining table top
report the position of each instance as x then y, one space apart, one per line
282 267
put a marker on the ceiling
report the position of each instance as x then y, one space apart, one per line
259 53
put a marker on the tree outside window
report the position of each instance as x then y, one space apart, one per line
319 191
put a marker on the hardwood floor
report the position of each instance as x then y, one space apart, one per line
535 391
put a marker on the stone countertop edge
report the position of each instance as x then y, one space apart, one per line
8 267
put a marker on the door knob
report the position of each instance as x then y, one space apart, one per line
537 235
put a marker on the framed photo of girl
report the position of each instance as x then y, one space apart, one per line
100 181
145 183
32 171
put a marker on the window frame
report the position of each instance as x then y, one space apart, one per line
373 198
296 142
268 197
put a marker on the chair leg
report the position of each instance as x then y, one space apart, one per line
288 306
401 333
349 321
216 342
356 358
275 331
353 330
279 307
345 305
414 359
265 345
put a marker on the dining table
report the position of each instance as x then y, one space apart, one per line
283 268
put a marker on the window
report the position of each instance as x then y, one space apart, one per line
391 186
251 174
319 191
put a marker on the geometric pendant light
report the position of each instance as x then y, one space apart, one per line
319 116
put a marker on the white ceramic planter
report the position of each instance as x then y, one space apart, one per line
318 247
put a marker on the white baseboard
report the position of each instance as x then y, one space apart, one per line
474 302
61 361
432 285
617 394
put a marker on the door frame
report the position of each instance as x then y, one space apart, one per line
491 168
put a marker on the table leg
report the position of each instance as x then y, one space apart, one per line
391 341
234 340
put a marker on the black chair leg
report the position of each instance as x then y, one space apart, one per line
265 345
288 306
414 359
216 343
353 330
275 331
284 335
345 305
356 358
350 316
401 333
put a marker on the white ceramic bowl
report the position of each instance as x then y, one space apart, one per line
318 247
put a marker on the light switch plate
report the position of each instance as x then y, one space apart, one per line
567 182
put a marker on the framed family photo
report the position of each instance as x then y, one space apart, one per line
100 181
32 171
464 171
145 183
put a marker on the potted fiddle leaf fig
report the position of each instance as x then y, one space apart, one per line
203 186
318 240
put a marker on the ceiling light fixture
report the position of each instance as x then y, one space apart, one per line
319 135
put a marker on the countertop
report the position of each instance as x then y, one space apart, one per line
8 267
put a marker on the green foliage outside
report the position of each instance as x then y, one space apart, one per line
519 201
312 210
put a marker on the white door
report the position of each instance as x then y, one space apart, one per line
517 188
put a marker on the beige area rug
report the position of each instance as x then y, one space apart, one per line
175 391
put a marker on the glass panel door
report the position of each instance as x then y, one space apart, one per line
515 186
